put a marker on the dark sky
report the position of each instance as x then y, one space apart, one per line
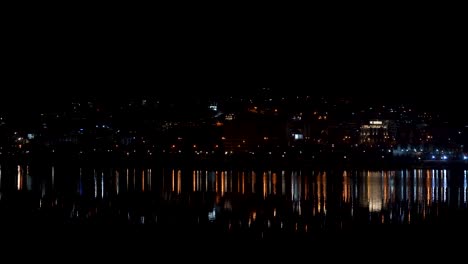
394 60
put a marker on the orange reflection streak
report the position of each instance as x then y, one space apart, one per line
368 189
385 187
345 193
194 181
319 192
254 181
324 182
429 193
143 180
179 181
273 180
173 180
216 182
223 175
19 179
265 186
243 182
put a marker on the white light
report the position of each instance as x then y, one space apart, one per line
212 215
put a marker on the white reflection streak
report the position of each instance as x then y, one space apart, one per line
134 179
437 182
375 191
433 185
465 186
95 183
269 182
18 179
200 180
230 181
238 182
226 189
402 187
444 185
293 186
117 181
420 186
28 179
150 180
127 179
206 180
102 184
80 184
53 177
406 181
143 180
415 186
283 182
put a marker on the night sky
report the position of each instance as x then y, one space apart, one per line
396 60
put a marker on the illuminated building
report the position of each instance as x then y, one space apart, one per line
378 132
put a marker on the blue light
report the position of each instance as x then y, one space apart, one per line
444 157
465 157
433 157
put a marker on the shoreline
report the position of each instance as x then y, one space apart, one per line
243 164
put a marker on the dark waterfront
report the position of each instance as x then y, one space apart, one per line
181 204
149 175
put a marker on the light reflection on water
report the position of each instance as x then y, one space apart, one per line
293 200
